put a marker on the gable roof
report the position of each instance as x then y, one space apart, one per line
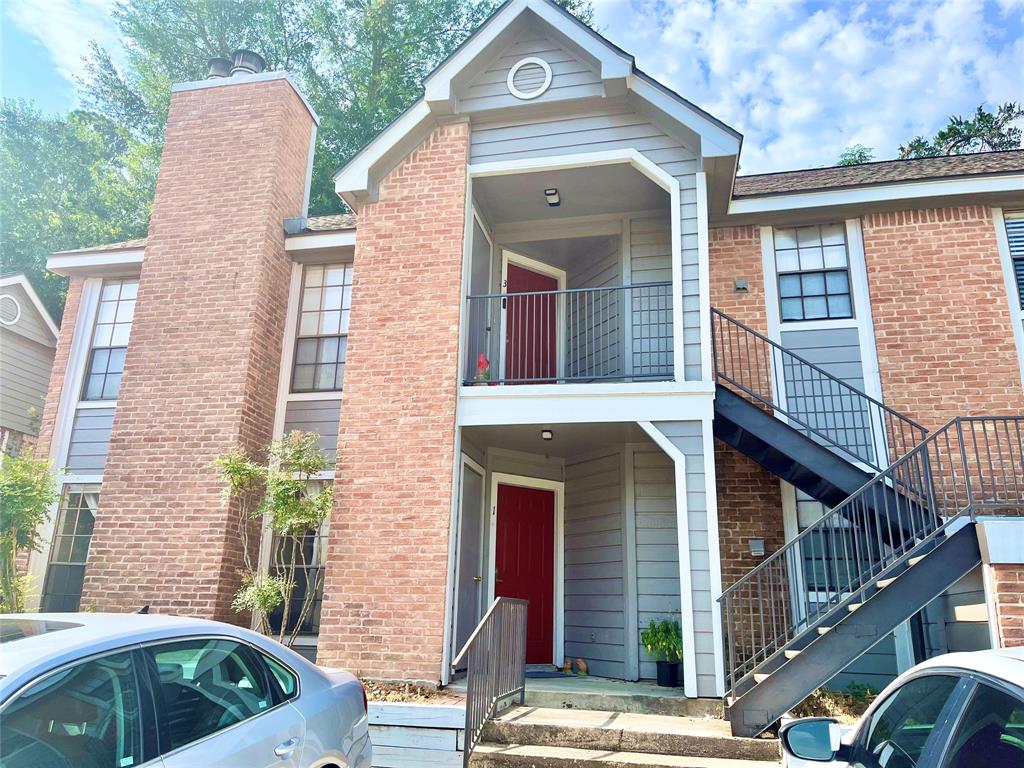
356 181
882 172
19 279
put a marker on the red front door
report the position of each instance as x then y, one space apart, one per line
524 562
531 326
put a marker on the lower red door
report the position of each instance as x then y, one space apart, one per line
525 562
531 326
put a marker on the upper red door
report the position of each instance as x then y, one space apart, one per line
531 326
524 562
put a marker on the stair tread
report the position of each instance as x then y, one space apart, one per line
575 756
792 654
882 583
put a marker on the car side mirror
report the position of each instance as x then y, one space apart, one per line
813 738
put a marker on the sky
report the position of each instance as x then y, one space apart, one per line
800 80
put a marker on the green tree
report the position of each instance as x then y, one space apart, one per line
27 490
66 182
984 132
856 155
281 492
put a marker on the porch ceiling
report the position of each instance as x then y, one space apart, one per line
587 191
569 440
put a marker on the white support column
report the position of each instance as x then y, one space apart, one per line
685 573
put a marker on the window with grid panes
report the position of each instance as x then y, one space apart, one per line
65 572
813 269
110 340
1015 238
323 328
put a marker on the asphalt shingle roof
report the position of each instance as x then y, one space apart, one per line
333 223
885 172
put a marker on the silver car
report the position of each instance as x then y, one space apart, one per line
89 690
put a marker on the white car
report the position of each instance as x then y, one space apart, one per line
961 710
90 690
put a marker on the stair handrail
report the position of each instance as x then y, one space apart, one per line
971 464
496 665
890 432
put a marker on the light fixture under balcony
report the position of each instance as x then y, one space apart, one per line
547 434
551 195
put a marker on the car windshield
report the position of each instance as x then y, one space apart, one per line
19 629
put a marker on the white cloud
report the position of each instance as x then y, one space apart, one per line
804 80
65 28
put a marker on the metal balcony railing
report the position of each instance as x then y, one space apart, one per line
973 465
496 666
614 333
809 398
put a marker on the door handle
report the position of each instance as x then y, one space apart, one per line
477 579
285 748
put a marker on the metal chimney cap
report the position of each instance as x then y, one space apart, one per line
247 62
218 67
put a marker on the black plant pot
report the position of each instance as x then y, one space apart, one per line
668 674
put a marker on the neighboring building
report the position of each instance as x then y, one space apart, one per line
28 339
514 357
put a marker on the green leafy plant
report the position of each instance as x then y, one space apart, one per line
27 491
663 640
282 493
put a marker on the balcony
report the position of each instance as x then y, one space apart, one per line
620 333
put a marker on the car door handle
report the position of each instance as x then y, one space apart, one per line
285 748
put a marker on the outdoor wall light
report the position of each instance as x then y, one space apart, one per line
551 195
547 434
756 547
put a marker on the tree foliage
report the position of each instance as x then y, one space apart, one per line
27 490
984 132
856 155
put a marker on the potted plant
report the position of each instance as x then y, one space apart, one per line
664 642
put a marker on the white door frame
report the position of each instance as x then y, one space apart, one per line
467 461
511 257
504 478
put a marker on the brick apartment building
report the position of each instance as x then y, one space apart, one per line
584 362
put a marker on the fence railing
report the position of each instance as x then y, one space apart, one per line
614 333
808 397
495 656
973 465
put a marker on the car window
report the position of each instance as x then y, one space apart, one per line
205 686
990 733
284 678
85 716
896 735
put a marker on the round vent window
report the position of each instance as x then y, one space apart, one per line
10 309
529 78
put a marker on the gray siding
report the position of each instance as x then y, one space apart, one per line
30 324
594 583
90 439
657 544
24 378
571 76
650 257
876 668
594 319
320 416
604 130
966 597
837 351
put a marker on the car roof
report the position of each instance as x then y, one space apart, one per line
91 633
1001 663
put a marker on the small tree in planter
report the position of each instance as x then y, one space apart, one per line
664 642
280 493
27 490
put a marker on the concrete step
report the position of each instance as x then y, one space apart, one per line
625 732
488 755
883 583
613 696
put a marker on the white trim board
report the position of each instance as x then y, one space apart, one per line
504 478
315 240
999 217
685 571
91 263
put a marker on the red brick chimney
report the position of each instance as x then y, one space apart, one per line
202 366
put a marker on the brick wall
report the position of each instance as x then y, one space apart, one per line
1008 585
202 364
942 324
749 497
384 595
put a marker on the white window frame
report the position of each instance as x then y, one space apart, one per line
999 217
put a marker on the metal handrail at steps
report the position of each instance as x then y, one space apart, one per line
809 398
496 665
971 466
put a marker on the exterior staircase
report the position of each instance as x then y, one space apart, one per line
530 736
900 533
